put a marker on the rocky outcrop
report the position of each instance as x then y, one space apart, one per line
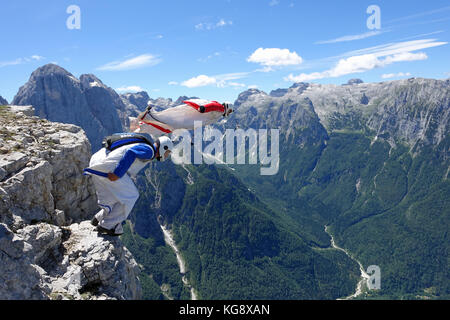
40 165
249 95
278 92
181 99
105 104
44 261
135 102
58 96
47 248
354 81
3 101
293 114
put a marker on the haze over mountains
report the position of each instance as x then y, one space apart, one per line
369 160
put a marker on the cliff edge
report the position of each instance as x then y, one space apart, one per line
48 248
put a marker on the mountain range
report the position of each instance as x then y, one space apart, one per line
368 160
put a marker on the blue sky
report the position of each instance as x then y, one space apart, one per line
218 48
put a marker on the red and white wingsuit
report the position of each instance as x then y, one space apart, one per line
180 117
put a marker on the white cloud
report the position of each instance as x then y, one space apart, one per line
405 56
421 14
395 75
130 89
223 23
21 61
274 57
11 62
231 76
210 26
172 83
199 81
379 51
209 57
352 37
220 81
370 58
144 60
399 47
357 64
236 84
274 3
37 58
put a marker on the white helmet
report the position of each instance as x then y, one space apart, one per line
165 144
228 109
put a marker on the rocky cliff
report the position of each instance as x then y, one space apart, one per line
47 248
135 102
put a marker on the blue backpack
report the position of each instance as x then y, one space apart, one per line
121 139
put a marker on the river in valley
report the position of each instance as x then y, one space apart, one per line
364 275
168 238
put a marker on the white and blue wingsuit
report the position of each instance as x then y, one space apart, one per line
117 198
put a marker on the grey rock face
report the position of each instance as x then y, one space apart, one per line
58 96
40 166
105 104
291 113
245 96
181 99
354 81
93 267
138 100
134 103
278 92
3 101
47 248
299 86
44 261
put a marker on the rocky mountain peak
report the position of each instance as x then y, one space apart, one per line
138 99
50 70
58 96
183 98
354 81
246 95
90 80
